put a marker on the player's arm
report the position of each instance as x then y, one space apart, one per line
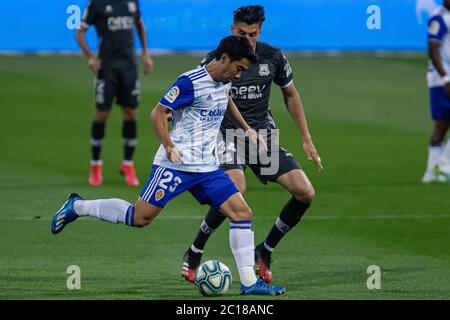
158 117
295 107
180 95
88 19
435 57
141 30
235 116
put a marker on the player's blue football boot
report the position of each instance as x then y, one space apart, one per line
262 288
65 215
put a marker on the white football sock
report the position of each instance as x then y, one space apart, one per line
112 210
434 155
243 247
444 160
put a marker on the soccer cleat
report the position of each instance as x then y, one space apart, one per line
65 215
436 175
95 174
262 288
128 171
191 261
263 260
442 173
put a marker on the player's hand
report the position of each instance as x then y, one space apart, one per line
311 154
174 155
257 138
447 89
148 64
94 63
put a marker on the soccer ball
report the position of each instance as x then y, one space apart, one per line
213 278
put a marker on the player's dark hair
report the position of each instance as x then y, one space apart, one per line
249 15
236 48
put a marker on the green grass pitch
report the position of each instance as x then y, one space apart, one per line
370 122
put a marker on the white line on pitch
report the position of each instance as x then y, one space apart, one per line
311 217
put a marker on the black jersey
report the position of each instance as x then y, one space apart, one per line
114 21
252 91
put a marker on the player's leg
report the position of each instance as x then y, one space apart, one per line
243 247
443 166
116 210
110 210
128 97
220 192
440 113
436 151
214 218
105 86
291 177
129 134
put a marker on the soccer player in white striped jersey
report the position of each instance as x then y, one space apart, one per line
198 101
438 78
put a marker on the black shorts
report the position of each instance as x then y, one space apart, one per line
267 167
121 83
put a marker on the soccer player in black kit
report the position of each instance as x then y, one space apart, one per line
251 94
116 75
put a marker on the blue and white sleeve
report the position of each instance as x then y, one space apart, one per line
180 95
436 29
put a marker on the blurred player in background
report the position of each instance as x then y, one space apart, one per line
117 75
198 101
251 94
438 78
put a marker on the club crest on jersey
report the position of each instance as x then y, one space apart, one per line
264 69
159 194
172 95
132 7
109 8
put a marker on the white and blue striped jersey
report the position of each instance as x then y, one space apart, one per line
198 105
439 31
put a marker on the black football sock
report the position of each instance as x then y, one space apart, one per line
212 221
129 139
290 215
97 135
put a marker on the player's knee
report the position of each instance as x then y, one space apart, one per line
101 116
141 222
305 195
244 214
241 187
141 219
129 114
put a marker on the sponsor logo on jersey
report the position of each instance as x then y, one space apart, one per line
247 92
172 95
264 69
132 7
211 115
120 23
159 194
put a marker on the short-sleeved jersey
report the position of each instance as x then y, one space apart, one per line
198 105
252 91
114 21
439 31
